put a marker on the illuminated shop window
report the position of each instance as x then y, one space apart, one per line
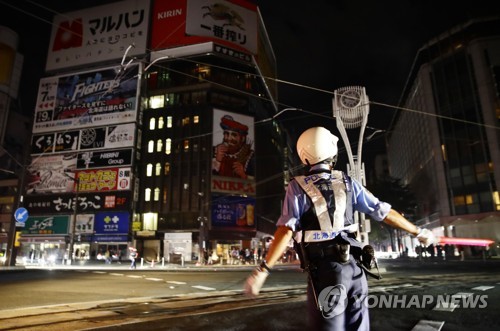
150 221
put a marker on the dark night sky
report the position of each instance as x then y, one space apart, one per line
319 45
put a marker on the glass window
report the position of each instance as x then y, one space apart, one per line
185 121
158 169
196 119
156 196
149 170
152 123
151 146
147 194
157 101
168 146
169 121
164 195
167 168
159 145
160 122
186 145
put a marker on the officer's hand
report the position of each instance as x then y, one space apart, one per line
254 282
426 237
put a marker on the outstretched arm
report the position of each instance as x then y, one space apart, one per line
254 282
396 220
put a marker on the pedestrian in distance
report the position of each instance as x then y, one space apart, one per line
318 215
133 255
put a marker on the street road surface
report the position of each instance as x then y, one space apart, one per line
112 299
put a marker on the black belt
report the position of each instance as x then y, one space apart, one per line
335 251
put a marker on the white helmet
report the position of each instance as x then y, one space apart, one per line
316 144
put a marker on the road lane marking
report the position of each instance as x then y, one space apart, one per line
175 282
426 325
115 274
483 288
134 276
452 303
204 288
155 279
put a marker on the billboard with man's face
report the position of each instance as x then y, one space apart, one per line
233 146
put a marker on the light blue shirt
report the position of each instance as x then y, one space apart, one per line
297 202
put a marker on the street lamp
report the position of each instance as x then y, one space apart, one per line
351 108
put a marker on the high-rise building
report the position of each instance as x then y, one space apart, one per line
447 147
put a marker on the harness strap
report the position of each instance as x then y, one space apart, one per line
318 200
320 205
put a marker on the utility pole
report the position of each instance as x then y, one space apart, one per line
73 221
351 108
201 219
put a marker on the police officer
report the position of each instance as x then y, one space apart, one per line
318 215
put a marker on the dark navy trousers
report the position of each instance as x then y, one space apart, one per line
341 290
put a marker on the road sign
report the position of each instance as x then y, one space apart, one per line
21 214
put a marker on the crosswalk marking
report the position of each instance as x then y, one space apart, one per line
426 325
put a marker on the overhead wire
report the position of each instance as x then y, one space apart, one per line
279 81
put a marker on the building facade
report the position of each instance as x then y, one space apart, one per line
153 128
447 148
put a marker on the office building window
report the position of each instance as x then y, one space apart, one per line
159 145
151 146
158 169
157 101
147 194
156 196
160 122
168 146
149 170
152 123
